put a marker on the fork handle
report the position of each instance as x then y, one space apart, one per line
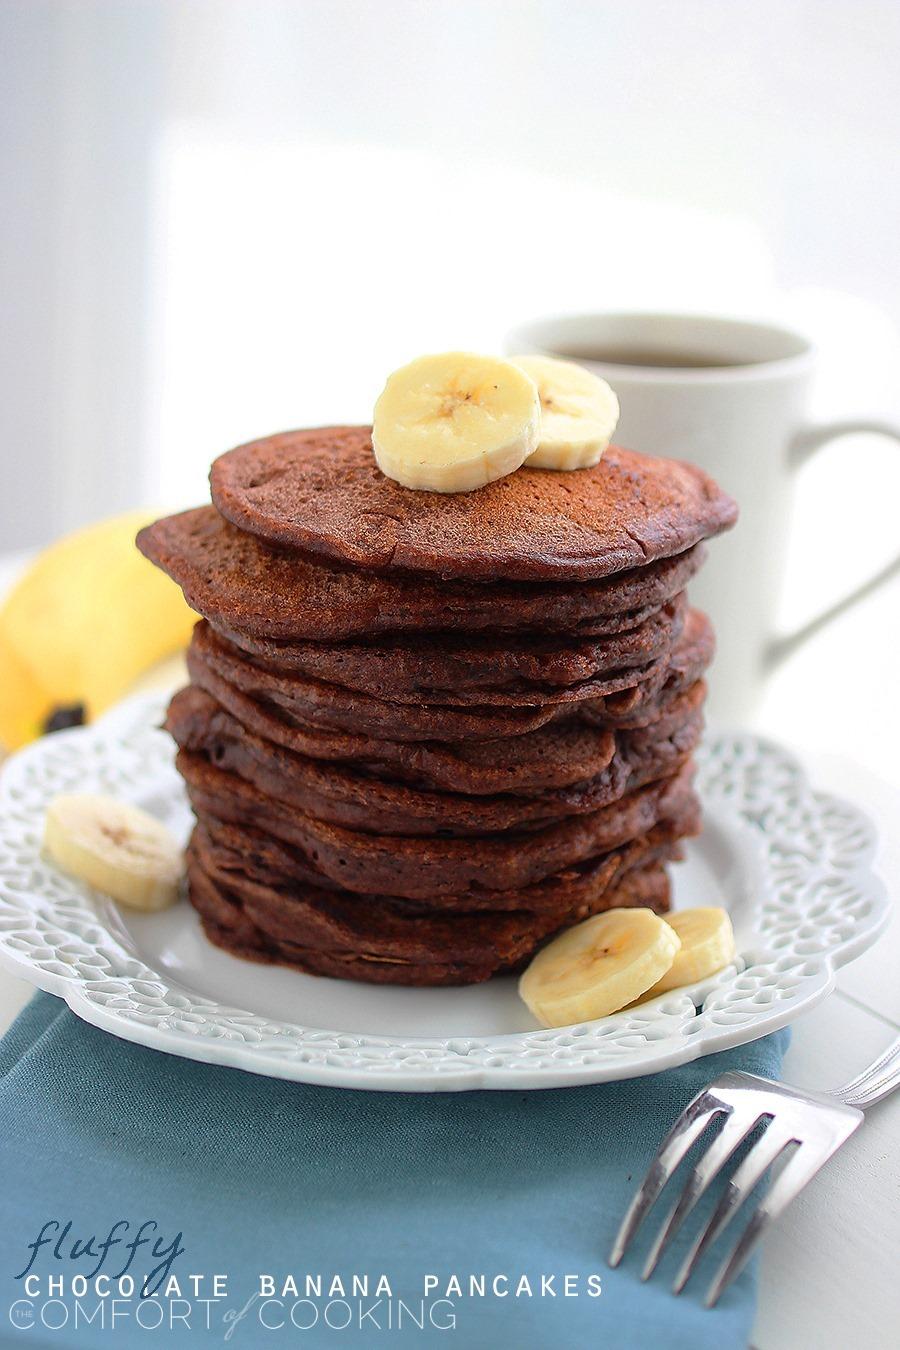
875 1082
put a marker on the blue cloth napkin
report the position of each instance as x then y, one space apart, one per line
266 1177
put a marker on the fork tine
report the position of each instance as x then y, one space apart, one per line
745 1177
733 1133
800 1169
689 1125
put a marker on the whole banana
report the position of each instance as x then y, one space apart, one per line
83 623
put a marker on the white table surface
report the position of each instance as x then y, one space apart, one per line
829 1270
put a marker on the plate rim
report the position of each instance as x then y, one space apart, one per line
754 821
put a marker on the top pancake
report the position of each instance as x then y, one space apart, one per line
321 491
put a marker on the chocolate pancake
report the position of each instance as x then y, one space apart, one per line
347 796
231 851
555 756
226 924
414 716
321 491
422 867
446 668
339 921
313 703
557 745
640 705
236 581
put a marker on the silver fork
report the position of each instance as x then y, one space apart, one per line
811 1125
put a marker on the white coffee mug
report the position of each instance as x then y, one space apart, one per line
731 396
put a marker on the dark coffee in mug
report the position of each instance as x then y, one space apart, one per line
652 357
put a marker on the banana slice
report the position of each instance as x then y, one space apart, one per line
454 422
598 966
707 944
579 413
116 848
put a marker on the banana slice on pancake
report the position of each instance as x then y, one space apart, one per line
455 421
579 412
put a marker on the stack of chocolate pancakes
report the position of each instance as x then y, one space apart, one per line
424 732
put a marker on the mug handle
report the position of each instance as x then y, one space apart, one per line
803 448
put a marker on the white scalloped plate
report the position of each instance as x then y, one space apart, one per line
791 865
